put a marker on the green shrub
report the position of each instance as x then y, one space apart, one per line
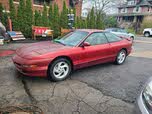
23 18
110 21
131 30
3 15
147 22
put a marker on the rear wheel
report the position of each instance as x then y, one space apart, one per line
59 70
132 38
121 57
146 34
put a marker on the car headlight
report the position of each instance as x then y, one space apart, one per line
147 95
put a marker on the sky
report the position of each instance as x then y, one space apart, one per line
111 10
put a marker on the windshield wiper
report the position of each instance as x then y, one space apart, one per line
58 41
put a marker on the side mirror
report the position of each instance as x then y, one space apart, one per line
85 44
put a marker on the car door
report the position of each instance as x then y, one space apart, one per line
115 44
97 52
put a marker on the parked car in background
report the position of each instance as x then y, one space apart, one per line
144 101
121 32
77 49
147 32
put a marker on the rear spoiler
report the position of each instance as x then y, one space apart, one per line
129 39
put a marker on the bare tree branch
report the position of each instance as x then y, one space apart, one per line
103 5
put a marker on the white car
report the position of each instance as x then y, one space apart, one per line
147 32
121 32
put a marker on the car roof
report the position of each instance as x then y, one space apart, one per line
90 30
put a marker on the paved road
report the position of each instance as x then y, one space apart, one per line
125 81
67 97
106 88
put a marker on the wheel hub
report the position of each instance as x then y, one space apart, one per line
121 57
61 69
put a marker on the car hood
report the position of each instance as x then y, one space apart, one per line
36 49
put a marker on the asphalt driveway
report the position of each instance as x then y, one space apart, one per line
106 88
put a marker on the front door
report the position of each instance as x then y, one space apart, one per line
98 52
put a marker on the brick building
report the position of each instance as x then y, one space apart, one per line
134 11
38 4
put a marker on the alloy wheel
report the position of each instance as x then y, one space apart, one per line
121 57
60 70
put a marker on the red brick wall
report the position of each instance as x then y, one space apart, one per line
40 8
5 4
78 8
60 4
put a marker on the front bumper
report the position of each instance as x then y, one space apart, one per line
140 106
39 71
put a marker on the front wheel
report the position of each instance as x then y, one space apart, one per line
121 57
59 70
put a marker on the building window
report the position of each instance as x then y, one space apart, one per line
86 13
41 2
137 10
72 3
131 2
124 10
148 9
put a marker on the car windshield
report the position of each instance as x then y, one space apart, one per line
72 39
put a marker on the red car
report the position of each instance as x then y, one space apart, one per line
81 48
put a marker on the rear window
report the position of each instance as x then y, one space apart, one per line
112 37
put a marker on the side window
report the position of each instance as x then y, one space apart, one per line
97 39
114 30
119 30
112 37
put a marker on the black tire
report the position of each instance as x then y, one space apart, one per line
51 74
117 61
132 38
147 34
